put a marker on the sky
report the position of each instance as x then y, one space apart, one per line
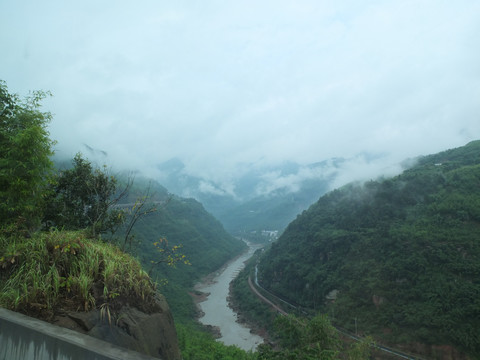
221 84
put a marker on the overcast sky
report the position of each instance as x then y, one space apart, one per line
221 83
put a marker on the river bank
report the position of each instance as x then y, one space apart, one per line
212 297
242 319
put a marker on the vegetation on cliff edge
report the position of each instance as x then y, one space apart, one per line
53 272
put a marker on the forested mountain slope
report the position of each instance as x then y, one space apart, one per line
182 222
397 258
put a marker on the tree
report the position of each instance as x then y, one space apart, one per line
25 150
304 339
83 197
140 208
314 338
168 255
361 350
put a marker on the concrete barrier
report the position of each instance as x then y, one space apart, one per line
23 337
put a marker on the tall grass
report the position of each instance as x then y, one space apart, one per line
47 268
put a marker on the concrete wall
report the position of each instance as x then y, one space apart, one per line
22 337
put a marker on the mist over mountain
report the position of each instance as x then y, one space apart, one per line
260 197
396 258
254 197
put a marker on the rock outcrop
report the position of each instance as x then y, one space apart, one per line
153 334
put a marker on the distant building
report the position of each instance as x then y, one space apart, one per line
271 234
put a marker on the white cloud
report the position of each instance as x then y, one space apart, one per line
362 169
224 190
220 83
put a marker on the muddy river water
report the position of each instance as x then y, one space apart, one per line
216 310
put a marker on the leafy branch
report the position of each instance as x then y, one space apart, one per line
168 255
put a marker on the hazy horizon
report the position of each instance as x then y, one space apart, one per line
222 85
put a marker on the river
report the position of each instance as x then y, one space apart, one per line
216 310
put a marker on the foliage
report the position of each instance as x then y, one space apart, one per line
168 255
55 268
25 149
313 338
402 255
198 345
83 198
141 207
361 350
302 339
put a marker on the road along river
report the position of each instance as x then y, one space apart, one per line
215 308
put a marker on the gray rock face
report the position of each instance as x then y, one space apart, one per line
152 334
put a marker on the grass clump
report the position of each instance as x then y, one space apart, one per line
60 271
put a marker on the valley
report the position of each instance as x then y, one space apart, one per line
230 180
305 264
215 180
393 260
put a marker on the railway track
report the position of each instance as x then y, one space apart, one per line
253 286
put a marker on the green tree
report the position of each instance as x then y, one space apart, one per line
304 339
83 197
314 338
25 150
361 350
141 208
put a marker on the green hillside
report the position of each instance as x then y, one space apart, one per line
182 222
402 255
